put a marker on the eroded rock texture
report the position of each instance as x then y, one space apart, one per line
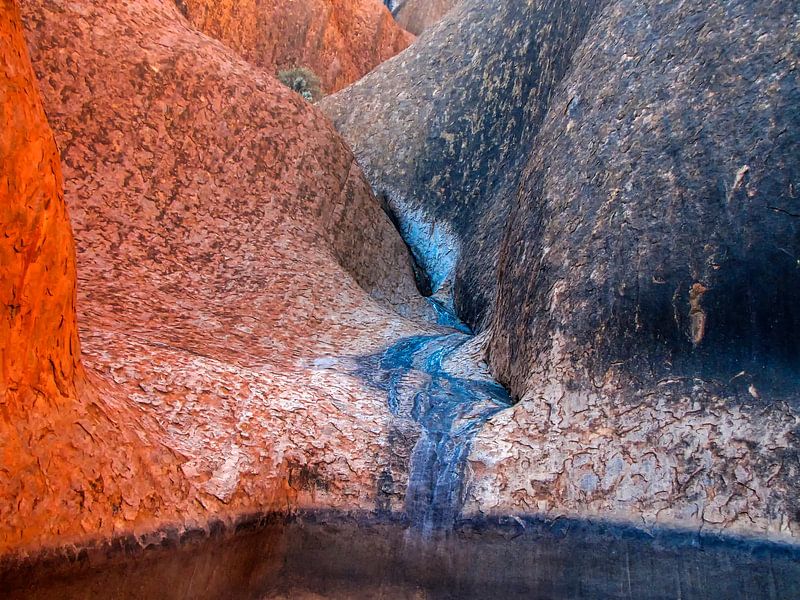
39 334
444 130
595 183
340 40
418 15
649 279
225 241
612 186
66 467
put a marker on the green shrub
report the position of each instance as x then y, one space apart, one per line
303 81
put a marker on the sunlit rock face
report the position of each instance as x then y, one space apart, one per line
340 40
418 15
67 468
225 241
614 190
39 335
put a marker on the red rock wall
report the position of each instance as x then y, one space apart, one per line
226 244
417 15
66 469
38 334
340 40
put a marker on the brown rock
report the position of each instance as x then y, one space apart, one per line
340 40
418 15
226 244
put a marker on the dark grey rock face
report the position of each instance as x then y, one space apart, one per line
444 130
658 226
611 190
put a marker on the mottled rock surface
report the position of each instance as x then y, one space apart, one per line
611 187
444 130
340 40
251 337
649 278
66 466
226 243
418 15
39 334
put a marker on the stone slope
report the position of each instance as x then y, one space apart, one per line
340 40
612 189
418 15
649 276
226 243
443 131
67 467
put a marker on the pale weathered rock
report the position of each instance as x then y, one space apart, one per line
340 40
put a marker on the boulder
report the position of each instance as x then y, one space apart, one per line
649 276
227 245
444 130
610 188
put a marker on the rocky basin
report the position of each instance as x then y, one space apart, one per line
511 316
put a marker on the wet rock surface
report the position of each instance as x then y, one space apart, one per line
337 555
444 130
608 188
418 15
340 40
448 407
262 394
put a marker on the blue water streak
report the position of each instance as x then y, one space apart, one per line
450 410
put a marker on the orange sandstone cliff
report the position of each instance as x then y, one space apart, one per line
226 244
340 40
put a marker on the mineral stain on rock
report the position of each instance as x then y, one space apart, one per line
449 409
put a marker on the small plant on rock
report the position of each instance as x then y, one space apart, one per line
303 81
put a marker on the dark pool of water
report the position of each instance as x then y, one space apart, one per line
337 555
